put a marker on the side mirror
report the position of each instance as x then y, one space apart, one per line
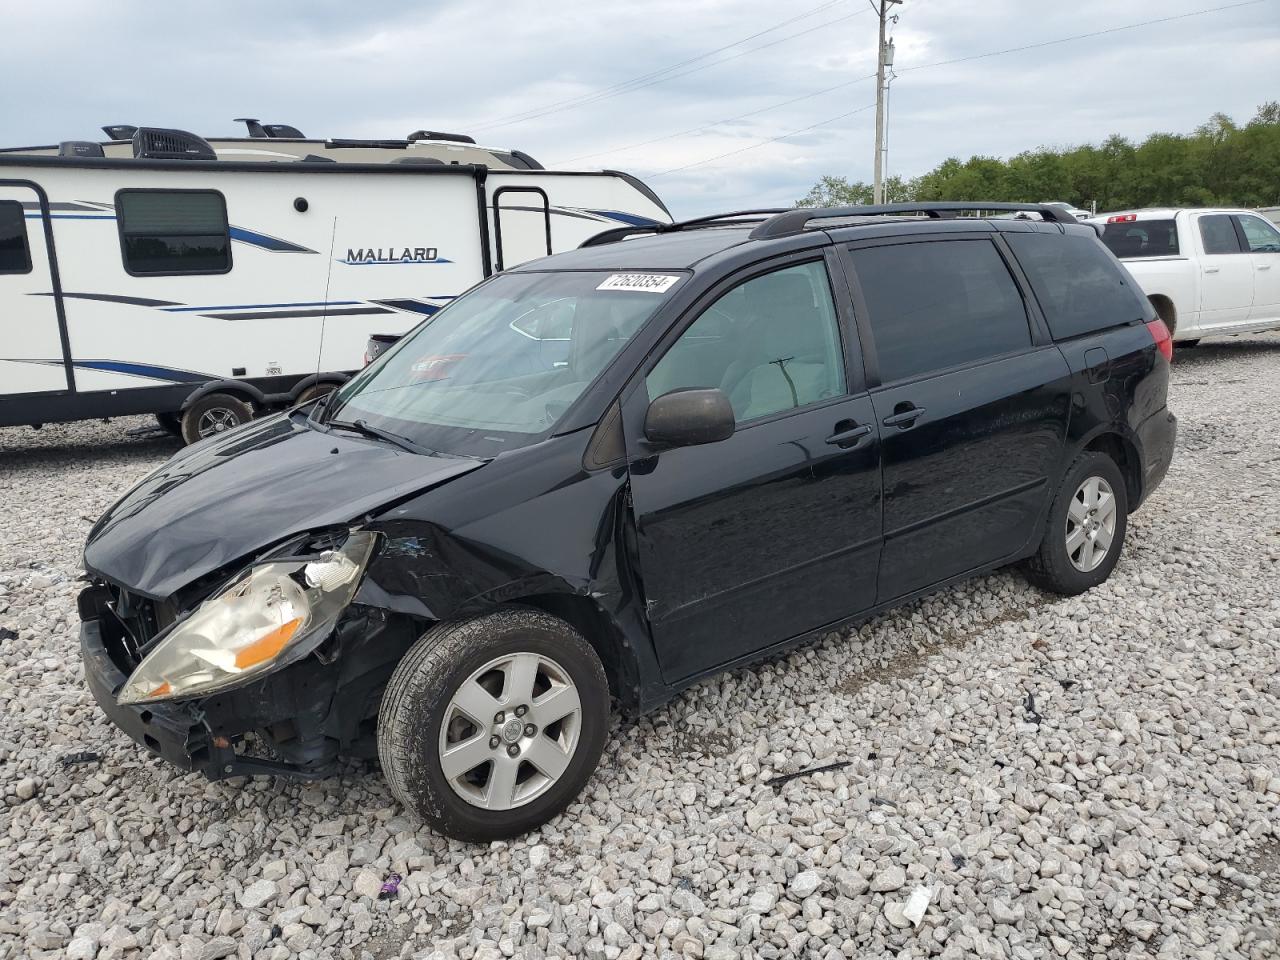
685 418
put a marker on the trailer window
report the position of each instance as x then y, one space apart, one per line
15 256
173 232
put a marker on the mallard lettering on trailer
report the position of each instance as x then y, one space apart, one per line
391 254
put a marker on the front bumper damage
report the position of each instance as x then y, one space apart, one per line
176 732
297 722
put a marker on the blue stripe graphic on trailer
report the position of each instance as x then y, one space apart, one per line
631 219
266 242
111 298
151 371
264 306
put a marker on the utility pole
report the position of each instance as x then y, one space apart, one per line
884 58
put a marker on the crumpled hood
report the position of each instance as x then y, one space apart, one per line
225 499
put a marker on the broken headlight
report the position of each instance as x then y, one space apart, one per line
272 614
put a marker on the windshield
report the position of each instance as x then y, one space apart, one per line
500 367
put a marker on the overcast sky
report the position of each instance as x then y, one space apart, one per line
386 68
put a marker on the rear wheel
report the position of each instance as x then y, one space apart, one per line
1085 530
170 423
315 391
214 414
492 726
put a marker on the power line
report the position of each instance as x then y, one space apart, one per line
633 85
717 123
944 63
784 136
1082 36
569 101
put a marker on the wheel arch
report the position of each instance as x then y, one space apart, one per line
1166 310
1123 451
602 632
237 388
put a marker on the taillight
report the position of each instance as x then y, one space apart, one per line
1164 340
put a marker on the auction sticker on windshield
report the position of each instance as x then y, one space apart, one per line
641 282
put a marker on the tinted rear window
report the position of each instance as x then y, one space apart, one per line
939 304
14 255
1079 287
1142 238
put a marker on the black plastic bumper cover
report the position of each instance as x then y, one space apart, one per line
172 731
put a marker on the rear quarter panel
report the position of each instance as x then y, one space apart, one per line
1121 398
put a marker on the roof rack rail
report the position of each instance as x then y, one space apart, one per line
713 220
794 221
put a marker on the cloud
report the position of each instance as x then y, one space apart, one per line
341 70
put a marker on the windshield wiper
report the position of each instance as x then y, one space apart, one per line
364 428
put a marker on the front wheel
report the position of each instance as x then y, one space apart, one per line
492 726
1085 530
212 415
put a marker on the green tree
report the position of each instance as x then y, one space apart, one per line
1220 163
839 192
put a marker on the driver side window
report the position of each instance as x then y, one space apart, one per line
771 344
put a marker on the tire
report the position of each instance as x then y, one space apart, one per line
474 661
212 415
1071 570
170 423
315 391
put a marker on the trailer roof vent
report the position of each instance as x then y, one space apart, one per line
153 143
279 130
437 135
271 130
80 148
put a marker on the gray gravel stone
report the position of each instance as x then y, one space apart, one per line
890 878
1137 818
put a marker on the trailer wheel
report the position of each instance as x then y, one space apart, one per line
170 423
314 392
214 414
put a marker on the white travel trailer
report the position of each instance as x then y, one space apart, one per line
209 281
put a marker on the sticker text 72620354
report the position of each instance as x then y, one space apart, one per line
639 282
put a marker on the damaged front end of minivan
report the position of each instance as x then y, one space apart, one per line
263 644
276 670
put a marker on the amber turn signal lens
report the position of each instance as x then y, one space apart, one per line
267 646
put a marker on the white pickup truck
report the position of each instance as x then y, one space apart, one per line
1206 271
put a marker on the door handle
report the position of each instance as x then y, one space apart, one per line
849 434
1211 269
1264 266
904 415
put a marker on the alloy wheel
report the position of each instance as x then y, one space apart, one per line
1091 524
510 731
217 420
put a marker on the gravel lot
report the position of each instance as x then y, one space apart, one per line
1096 777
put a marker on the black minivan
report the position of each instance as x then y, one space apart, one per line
603 475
